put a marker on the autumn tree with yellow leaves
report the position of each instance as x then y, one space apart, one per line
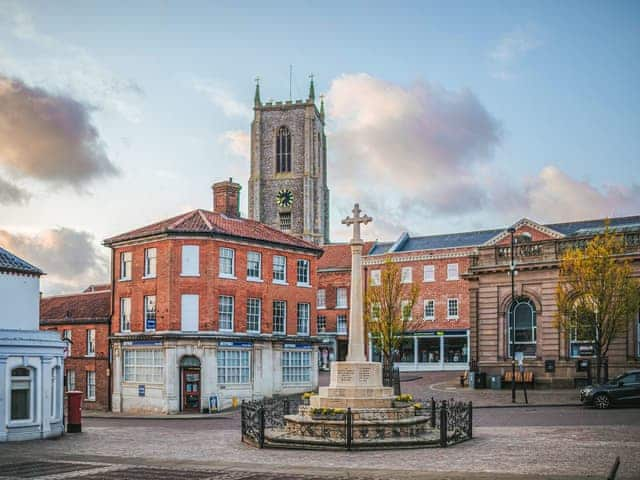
596 296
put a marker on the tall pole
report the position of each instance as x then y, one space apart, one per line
511 316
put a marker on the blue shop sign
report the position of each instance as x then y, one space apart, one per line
298 346
141 390
150 324
143 343
236 344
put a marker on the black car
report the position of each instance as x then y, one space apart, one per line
622 390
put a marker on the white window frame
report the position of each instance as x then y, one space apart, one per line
186 300
453 272
220 312
450 302
125 314
429 273
323 328
230 368
150 301
150 262
91 342
90 388
296 366
71 380
303 318
226 254
406 275
534 329
67 335
283 304
190 261
303 266
321 300
252 304
404 304
126 265
344 301
432 303
31 400
138 369
254 278
342 325
280 269
376 278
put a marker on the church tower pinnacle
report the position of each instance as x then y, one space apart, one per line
288 181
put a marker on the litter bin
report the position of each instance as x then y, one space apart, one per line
477 380
496 382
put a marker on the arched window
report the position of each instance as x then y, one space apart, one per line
583 332
21 393
283 150
523 311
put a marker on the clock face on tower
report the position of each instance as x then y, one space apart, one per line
284 198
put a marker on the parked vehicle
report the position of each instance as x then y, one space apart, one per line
622 390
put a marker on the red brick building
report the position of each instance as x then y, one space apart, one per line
209 308
83 319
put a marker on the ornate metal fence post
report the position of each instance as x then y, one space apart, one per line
261 426
348 434
285 407
470 429
443 423
433 413
396 381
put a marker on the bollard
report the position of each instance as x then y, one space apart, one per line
74 420
443 423
470 419
433 413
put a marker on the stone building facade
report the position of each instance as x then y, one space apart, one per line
550 354
210 309
288 182
84 320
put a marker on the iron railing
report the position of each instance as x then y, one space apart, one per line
453 419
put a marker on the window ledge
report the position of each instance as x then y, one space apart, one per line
89 399
124 279
255 279
148 277
342 308
226 330
187 275
303 285
429 319
254 331
280 282
323 307
452 279
91 355
228 277
453 318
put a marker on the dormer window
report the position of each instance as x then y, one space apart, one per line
283 150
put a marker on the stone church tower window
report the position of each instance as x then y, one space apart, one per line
288 182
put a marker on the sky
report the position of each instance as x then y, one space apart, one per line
441 116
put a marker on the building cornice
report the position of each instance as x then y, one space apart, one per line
396 258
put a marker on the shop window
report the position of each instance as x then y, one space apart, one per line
296 366
233 366
407 350
429 349
21 393
143 365
455 349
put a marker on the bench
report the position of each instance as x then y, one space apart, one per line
526 377
464 378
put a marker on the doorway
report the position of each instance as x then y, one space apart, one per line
191 384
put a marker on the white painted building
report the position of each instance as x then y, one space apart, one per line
31 361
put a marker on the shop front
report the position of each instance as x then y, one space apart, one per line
431 350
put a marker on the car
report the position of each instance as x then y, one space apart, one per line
622 390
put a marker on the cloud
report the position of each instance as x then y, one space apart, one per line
64 67
237 142
554 196
10 194
49 137
417 147
511 48
222 98
68 257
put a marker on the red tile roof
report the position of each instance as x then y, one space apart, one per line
203 221
76 308
338 255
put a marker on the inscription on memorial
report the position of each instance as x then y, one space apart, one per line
364 375
345 375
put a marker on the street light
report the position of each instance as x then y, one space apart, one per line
511 316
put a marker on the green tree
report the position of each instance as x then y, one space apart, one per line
387 311
596 296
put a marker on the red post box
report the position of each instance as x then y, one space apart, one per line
74 413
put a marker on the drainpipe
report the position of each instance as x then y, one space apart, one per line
110 347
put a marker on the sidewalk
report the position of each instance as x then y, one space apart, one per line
177 416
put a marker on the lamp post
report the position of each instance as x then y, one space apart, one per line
511 316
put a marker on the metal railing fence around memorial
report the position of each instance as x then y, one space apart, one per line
453 420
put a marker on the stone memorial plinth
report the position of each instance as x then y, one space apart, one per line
354 385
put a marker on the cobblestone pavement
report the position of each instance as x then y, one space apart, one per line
116 446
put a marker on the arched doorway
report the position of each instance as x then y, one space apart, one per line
190 382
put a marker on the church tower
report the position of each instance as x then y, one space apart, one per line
288 182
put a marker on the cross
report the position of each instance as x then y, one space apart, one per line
356 220
257 80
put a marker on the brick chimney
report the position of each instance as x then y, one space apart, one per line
226 198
